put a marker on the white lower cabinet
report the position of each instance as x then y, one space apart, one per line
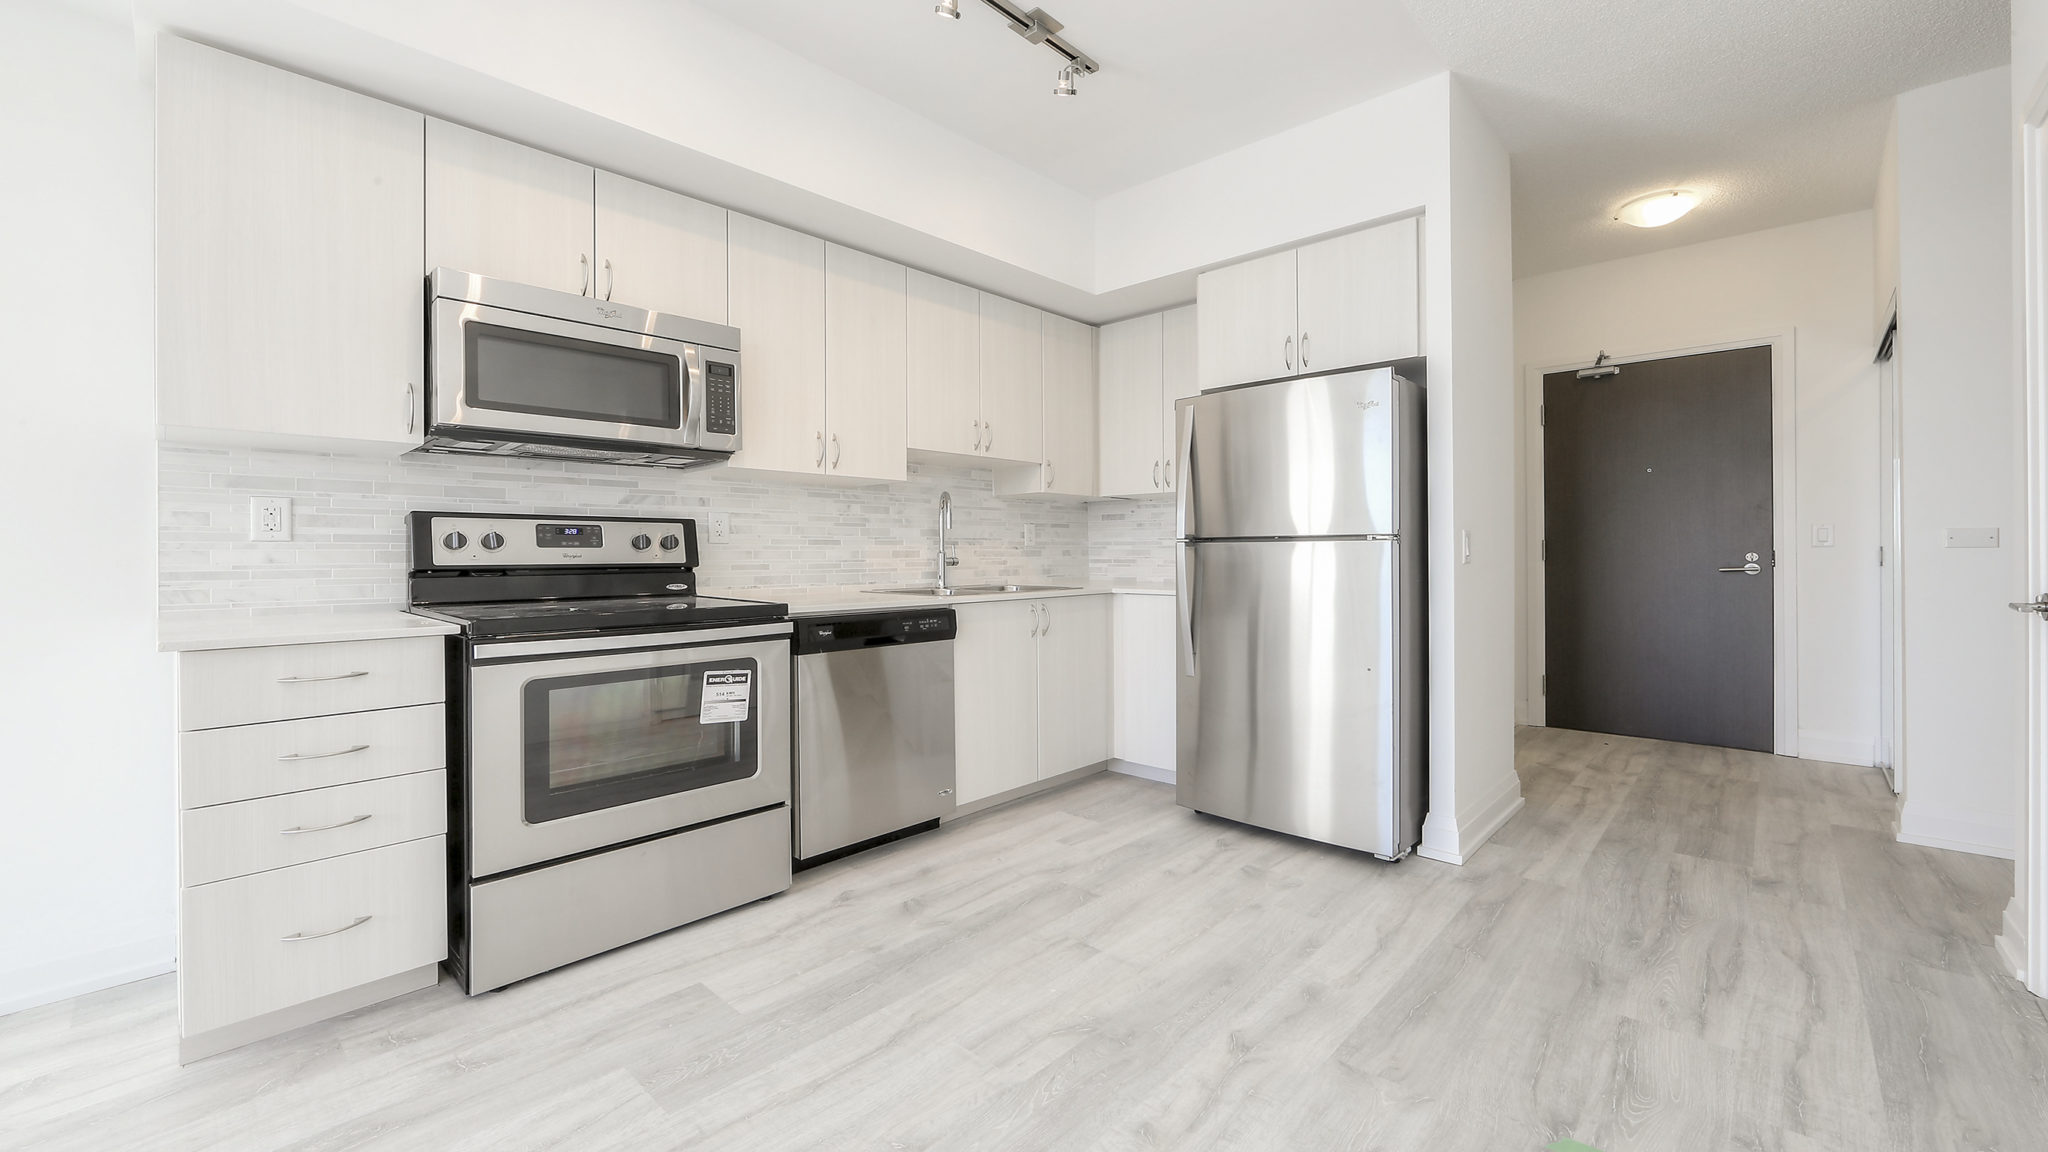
1031 691
1143 729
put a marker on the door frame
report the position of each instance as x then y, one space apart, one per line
1784 524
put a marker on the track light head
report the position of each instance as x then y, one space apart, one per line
1066 85
950 9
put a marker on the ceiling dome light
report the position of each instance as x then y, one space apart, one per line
1066 84
1658 208
950 9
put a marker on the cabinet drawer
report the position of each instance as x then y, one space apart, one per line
253 685
257 835
220 765
261 943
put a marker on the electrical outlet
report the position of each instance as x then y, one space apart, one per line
721 527
270 518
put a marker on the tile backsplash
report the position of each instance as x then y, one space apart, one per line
348 525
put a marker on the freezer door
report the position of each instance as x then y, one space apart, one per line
1308 457
1289 689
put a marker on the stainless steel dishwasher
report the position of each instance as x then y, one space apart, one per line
874 729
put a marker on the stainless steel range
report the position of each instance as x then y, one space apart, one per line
620 744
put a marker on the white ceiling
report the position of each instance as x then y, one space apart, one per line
1772 108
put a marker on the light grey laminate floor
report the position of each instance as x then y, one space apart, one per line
1671 948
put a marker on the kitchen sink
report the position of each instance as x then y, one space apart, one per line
971 589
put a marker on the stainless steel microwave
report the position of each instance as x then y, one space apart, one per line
514 370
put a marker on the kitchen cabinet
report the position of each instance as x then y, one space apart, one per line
944 328
660 250
777 301
500 209
1031 691
1338 303
1068 405
288 258
1147 363
866 366
1012 380
1142 731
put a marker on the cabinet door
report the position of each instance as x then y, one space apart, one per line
660 250
865 366
1068 405
1359 300
778 304
501 209
995 698
1142 664
1012 381
263 175
1073 683
945 365
1246 321
1180 381
1132 365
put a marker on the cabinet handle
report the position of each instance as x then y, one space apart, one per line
358 922
324 827
1304 349
292 756
608 284
821 449
1047 609
977 435
410 392
1155 473
320 679
835 449
990 429
1287 352
1048 475
583 258
1034 619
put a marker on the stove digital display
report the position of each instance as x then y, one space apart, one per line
568 535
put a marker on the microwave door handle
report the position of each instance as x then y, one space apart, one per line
695 396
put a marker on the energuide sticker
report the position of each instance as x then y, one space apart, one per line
726 696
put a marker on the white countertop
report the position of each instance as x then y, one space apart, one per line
835 601
196 631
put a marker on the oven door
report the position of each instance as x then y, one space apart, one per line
585 743
497 370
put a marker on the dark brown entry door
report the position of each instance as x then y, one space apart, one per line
1655 481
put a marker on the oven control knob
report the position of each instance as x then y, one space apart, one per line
642 542
671 542
492 541
454 541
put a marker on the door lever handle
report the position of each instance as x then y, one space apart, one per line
1751 568
2038 604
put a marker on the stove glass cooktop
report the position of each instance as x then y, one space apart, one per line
534 617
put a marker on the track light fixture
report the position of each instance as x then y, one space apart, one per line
1038 28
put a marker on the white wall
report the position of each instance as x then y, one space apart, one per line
1965 660
1814 282
85 781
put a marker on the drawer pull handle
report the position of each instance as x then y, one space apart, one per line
319 679
323 755
324 827
297 936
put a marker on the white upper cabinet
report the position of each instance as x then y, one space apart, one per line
1132 382
1339 303
1246 322
1358 302
510 212
778 304
945 365
1068 419
1180 380
1012 380
659 250
866 366
265 178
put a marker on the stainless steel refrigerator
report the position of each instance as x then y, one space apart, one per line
1301 588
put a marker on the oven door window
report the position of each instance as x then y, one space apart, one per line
510 370
606 739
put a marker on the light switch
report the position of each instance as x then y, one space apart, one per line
1823 535
1969 537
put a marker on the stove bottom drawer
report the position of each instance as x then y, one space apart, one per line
258 944
529 923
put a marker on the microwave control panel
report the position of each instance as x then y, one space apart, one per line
721 400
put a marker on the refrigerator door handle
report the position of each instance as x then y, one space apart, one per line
1184 496
1183 595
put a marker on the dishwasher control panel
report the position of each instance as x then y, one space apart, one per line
875 630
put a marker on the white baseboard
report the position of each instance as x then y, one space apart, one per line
1957 835
1836 748
1143 771
1455 843
38 984
2012 942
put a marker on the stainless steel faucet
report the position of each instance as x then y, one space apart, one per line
946 560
